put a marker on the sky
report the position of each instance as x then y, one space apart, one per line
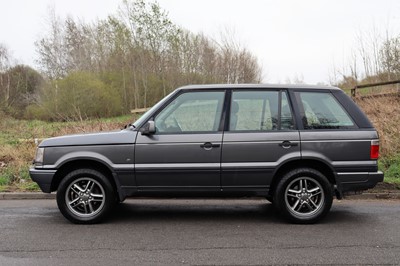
290 38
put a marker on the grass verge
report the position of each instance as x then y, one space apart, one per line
18 140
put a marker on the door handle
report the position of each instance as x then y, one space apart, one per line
287 144
208 146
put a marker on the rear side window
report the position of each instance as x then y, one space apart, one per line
321 110
260 111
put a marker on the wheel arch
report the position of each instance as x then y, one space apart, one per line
82 163
313 163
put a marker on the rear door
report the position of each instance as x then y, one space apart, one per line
329 133
260 136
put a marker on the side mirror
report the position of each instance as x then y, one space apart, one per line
149 128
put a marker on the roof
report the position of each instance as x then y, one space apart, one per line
257 86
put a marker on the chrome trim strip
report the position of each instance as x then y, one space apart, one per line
114 166
48 166
353 173
338 140
39 170
123 166
249 164
178 166
355 163
206 165
165 143
257 142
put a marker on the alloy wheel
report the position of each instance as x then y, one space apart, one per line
85 197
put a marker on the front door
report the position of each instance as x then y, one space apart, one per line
261 135
185 152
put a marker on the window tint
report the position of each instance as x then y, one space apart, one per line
259 111
323 111
191 112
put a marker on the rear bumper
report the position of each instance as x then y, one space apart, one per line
356 181
43 178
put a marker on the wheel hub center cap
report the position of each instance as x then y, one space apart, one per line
85 197
304 196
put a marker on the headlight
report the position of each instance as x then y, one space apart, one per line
39 156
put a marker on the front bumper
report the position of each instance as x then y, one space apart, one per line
357 181
43 178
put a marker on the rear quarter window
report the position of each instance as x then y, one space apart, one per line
321 110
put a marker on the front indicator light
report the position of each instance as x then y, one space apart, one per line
39 157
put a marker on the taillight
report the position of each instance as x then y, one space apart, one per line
374 152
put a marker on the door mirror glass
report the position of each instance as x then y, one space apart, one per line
149 128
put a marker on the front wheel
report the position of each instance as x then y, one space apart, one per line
304 195
85 196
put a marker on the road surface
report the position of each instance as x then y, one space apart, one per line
199 232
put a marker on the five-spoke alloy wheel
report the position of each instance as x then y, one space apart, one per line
85 196
304 195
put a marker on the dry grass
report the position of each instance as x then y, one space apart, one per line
384 112
14 163
17 145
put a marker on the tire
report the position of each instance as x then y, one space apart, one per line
303 196
85 196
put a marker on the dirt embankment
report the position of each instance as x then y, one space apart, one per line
384 112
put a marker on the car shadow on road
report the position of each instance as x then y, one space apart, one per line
194 211
223 210
344 215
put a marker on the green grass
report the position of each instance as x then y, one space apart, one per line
394 171
28 186
3 181
392 180
121 119
16 178
391 167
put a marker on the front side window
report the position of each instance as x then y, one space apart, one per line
260 111
323 111
191 112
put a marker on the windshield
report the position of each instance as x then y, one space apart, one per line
147 115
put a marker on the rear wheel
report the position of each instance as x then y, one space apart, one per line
85 196
304 195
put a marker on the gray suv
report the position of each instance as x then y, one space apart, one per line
297 146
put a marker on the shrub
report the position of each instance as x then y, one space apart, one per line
78 96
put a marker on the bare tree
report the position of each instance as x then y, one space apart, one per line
52 49
236 63
4 75
390 57
373 59
140 55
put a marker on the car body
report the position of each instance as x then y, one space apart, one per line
296 145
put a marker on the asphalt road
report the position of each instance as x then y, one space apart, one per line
199 232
